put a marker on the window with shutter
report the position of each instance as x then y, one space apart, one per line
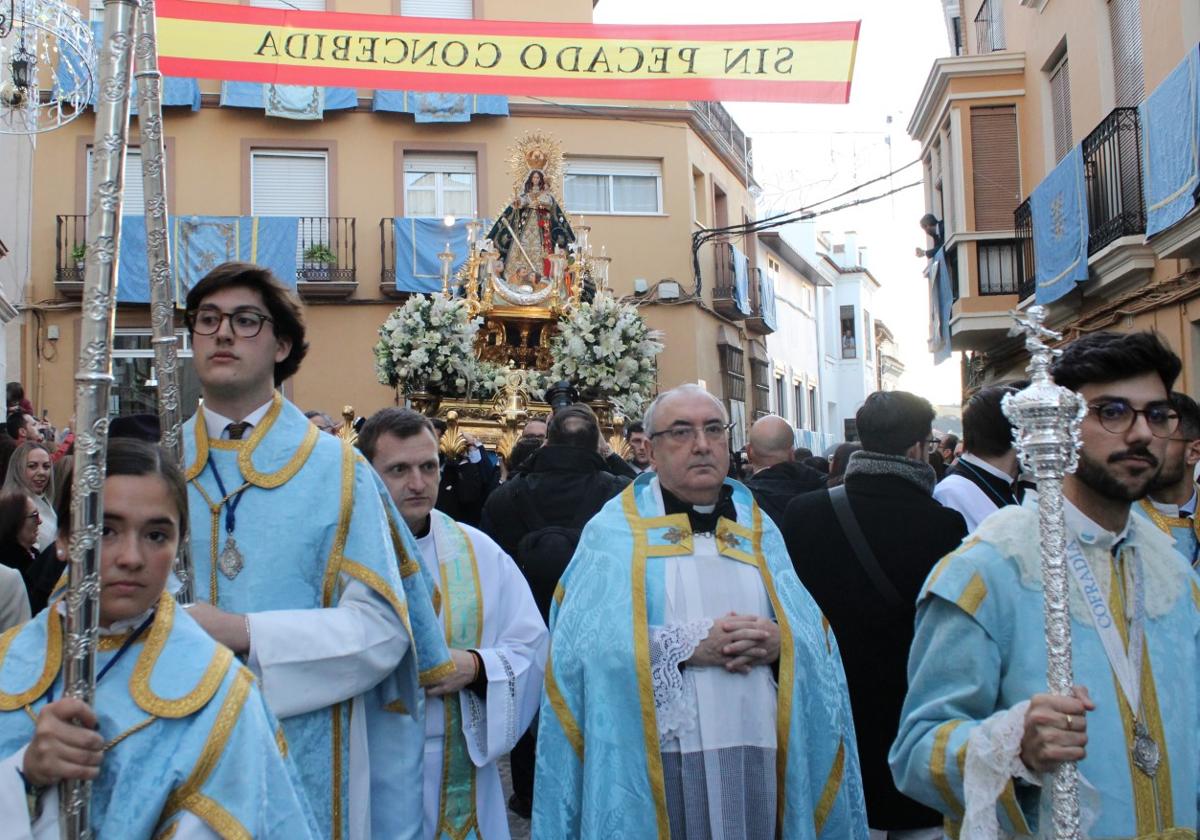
133 203
461 9
613 185
995 173
292 184
1060 103
1125 27
439 185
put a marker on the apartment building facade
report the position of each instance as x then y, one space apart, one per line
1029 87
643 175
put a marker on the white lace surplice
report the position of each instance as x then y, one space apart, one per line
716 729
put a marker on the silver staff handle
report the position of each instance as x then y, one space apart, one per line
158 257
93 379
1046 418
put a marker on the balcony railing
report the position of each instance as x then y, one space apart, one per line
999 266
721 127
1026 274
987 30
725 297
1112 160
326 249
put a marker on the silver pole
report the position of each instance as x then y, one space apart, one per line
158 257
1047 418
93 379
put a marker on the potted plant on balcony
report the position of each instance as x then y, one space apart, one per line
318 262
79 254
73 272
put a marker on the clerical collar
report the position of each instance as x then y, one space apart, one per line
216 423
1188 508
425 529
703 518
990 469
1087 531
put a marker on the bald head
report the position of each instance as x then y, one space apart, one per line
771 442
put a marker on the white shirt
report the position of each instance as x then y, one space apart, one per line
217 423
1188 508
965 496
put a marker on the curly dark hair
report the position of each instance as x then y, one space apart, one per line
1110 356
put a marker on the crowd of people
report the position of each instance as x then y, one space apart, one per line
686 643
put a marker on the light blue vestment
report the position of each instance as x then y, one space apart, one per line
980 649
599 765
311 521
198 737
1182 529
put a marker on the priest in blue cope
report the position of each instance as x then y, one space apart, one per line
296 560
693 689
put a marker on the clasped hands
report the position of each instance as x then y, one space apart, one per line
738 643
1056 729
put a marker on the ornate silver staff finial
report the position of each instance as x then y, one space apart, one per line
1047 419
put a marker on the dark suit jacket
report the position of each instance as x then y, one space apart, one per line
776 486
908 531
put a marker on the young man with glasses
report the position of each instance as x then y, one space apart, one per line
692 688
978 735
294 568
1171 503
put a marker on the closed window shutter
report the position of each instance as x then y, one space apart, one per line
464 164
461 9
1125 25
995 174
1060 99
613 166
133 203
288 184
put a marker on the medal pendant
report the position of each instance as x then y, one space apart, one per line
1146 755
231 561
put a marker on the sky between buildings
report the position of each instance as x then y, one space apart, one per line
806 153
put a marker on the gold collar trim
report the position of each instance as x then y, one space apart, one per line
245 449
1166 523
198 697
51 668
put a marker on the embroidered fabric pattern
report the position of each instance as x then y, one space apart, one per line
510 702
993 758
669 646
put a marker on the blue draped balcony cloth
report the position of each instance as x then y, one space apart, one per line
1060 229
766 298
440 107
200 243
418 241
293 102
740 265
1170 122
176 90
942 301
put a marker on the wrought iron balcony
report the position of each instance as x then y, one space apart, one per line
998 266
725 293
1026 273
1112 160
70 236
722 128
988 36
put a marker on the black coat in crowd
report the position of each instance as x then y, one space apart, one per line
775 486
565 483
908 531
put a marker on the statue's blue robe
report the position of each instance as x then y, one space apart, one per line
599 768
313 519
198 737
980 648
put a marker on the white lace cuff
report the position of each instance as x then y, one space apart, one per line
671 645
993 757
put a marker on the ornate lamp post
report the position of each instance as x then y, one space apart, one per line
47 57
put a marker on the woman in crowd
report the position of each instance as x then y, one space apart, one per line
178 741
19 519
31 471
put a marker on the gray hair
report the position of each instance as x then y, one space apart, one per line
687 389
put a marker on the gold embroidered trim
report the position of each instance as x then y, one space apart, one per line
53 664
1008 801
336 799
1196 594
345 510
825 627
217 818
377 584
281 741
641 650
944 562
832 785
973 595
729 536
1166 523
168 832
108 644
435 674
558 703
560 592
139 683
396 706
245 449
408 566
937 765
183 797
133 730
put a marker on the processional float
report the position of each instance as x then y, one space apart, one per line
128 52
1047 419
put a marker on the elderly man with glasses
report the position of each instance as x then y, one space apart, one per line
979 735
692 688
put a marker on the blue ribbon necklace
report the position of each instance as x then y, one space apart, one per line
230 562
125 646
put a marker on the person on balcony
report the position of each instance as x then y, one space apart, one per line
935 231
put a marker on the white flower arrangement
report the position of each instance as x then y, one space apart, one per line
429 344
604 348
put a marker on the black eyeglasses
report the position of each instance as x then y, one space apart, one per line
245 323
1118 417
714 432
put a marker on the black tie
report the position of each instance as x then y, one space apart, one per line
236 430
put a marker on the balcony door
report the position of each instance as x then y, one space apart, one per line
293 183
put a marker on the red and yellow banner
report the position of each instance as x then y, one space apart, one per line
798 62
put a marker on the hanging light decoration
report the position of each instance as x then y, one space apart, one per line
47 56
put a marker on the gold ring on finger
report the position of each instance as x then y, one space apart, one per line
1069 729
